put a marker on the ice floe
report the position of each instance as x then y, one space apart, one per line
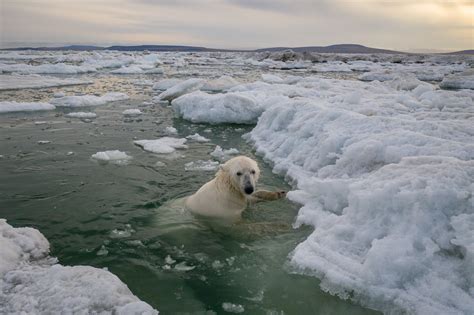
220 84
218 108
16 82
88 100
181 89
163 145
32 282
198 138
81 115
223 155
9 107
166 84
463 80
132 112
112 156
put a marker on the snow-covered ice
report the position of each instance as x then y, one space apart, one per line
15 82
463 80
382 177
88 100
9 107
217 108
163 145
32 282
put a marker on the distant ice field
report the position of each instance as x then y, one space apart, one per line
376 150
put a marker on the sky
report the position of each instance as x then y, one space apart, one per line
407 25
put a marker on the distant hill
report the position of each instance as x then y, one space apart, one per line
161 48
338 49
462 52
341 49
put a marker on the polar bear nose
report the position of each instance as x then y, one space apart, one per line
248 190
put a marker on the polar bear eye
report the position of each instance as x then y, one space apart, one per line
239 174
252 171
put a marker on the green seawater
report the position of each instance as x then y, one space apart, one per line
123 217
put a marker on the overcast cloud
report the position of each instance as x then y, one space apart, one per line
393 24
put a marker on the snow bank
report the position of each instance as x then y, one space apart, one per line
16 82
385 194
463 80
82 115
217 108
88 100
163 145
8 107
181 89
112 156
32 282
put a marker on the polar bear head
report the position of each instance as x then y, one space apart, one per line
242 174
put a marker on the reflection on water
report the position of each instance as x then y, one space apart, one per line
130 219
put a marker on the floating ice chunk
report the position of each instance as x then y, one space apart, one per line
233 308
88 100
201 165
169 260
183 267
163 145
221 84
405 82
223 155
102 251
132 112
59 94
181 89
33 284
15 82
44 142
133 69
9 107
156 70
217 108
166 84
197 137
171 131
122 233
463 80
82 115
112 156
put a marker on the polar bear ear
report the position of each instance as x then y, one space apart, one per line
222 168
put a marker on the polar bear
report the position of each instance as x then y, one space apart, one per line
232 189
